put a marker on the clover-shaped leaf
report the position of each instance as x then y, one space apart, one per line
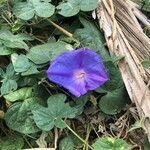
20 62
72 7
26 10
48 117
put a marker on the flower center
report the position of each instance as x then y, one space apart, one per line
80 74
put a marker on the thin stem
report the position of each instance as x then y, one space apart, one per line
60 28
56 138
87 136
78 136
27 142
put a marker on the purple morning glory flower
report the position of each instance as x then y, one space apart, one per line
78 71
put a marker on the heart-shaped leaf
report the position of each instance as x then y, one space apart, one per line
113 102
12 41
19 117
47 52
21 94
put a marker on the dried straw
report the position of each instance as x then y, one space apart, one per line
124 35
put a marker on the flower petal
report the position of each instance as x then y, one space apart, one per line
77 88
94 81
64 69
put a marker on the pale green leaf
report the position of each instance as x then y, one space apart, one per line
12 41
72 7
20 94
69 8
108 143
8 86
66 144
32 70
5 50
20 62
10 72
26 10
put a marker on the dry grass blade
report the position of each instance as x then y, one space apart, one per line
125 37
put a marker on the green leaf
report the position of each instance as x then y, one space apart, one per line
5 50
72 7
47 52
26 10
108 143
8 86
2 73
9 80
12 41
21 94
115 98
66 144
20 62
48 117
32 70
80 103
11 143
144 4
113 102
146 63
10 72
19 117
146 143
85 36
24 36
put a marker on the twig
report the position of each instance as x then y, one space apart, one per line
56 138
87 137
60 28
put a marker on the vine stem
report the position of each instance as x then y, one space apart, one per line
60 28
56 137
79 136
